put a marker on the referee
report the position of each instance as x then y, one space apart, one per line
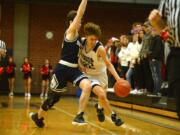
167 21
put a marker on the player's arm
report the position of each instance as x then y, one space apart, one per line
72 30
110 67
157 21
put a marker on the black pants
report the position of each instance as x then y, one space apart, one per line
143 75
173 71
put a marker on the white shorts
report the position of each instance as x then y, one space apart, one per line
100 79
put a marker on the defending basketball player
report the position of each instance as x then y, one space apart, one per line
67 70
93 62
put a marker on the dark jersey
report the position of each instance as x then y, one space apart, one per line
70 50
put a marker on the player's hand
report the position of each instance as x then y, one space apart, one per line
154 15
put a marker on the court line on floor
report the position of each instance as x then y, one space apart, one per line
33 131
153 122
71 115
134 116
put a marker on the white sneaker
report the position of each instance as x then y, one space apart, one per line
46 95
139 92
41 95
134 91
29 95
26 94
11 94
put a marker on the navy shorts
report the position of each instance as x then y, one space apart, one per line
62 74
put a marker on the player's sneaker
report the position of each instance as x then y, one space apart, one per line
37 121
46 96
100 113
117 121
79 120
41 95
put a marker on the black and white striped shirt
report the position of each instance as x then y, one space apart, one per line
170 10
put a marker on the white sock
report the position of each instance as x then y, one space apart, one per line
99 106
113 112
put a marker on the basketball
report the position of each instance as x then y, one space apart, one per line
122 88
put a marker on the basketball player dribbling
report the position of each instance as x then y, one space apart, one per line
67 70
94 63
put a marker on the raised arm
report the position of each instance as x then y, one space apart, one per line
75 25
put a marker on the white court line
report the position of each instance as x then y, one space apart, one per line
33 131
94 125
125 126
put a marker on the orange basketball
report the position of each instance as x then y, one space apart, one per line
122 88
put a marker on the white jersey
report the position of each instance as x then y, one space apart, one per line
90 61
124 56
95 68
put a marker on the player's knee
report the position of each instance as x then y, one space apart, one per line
85 85
102 96
45 106
56 98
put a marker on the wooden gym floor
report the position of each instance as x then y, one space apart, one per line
14 120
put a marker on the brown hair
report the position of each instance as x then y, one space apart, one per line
70 16
92 29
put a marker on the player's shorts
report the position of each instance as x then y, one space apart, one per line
100 79
62 74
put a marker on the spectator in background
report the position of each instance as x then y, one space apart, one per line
2 49
134 48
11 75
123 56
111 48
136 27
155 59
45 71
27 69
146 84
3 64
2 55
